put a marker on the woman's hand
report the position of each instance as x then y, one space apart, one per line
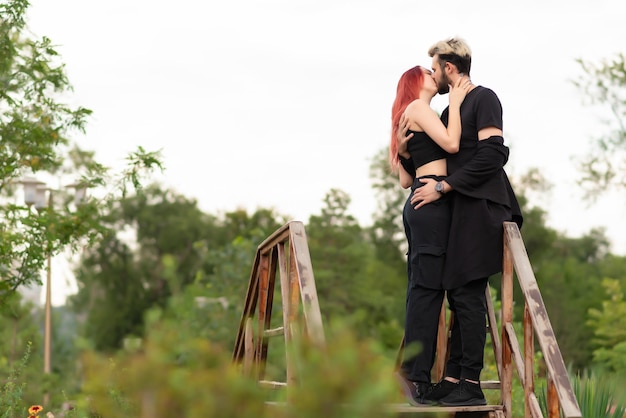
459 91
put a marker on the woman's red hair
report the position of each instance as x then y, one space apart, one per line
409 87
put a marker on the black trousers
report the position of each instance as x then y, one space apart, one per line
427 231
468 303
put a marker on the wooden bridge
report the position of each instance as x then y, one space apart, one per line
286 252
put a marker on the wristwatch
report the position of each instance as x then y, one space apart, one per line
439 187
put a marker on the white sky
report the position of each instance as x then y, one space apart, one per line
271 103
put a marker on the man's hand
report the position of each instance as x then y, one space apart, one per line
401 136
425 194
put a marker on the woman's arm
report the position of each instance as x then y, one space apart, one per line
427 119
406 172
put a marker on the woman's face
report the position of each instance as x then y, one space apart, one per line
429 80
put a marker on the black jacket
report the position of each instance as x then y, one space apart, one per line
482 199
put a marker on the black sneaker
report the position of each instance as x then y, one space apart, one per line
465 394
440 391
414 391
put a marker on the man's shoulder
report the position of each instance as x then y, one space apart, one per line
484 90
485 94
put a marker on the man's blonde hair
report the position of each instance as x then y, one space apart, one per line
455 51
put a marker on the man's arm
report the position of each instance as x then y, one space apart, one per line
490 157
489 122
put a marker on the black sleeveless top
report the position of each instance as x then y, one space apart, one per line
423 149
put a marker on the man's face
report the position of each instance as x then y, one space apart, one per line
441 78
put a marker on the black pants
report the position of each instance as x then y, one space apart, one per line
467 338
427 236
427 231
469 330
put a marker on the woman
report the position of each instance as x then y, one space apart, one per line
422 154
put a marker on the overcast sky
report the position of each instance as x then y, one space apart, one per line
272 103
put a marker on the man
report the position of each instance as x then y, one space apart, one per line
481 199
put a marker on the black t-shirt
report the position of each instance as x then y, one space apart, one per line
480 109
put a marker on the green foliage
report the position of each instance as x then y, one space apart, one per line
35 131
11 403
33 128
169 375
597 396
609 325
604 84
173 373
568 270
352 284
171 249
387 232
349 378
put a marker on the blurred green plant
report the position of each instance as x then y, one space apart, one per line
598 396
169 374
11 404
348 378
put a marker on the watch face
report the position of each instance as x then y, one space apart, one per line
439 187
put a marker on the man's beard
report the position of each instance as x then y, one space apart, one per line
444 85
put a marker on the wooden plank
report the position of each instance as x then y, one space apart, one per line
267 308
248 360
261 343
405 408
280 235
285 290
274 332
493 330
490 384
310 304
268 384
294 288
518 359
541 322
442 343
507 318
553 399
529 361
535 409
248 309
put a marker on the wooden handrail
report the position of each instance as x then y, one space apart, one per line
536 321
286 251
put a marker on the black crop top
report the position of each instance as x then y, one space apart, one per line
423 149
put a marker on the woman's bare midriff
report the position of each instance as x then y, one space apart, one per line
433 168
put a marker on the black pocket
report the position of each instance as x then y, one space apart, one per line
427 265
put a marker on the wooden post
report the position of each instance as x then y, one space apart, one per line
507 318
529 353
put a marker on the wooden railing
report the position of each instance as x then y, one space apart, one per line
560 396
286 252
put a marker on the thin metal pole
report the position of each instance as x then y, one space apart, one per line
48 315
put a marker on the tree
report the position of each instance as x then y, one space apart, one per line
35 129
353 285
168 247
609 324
121 276
388 228
605 85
